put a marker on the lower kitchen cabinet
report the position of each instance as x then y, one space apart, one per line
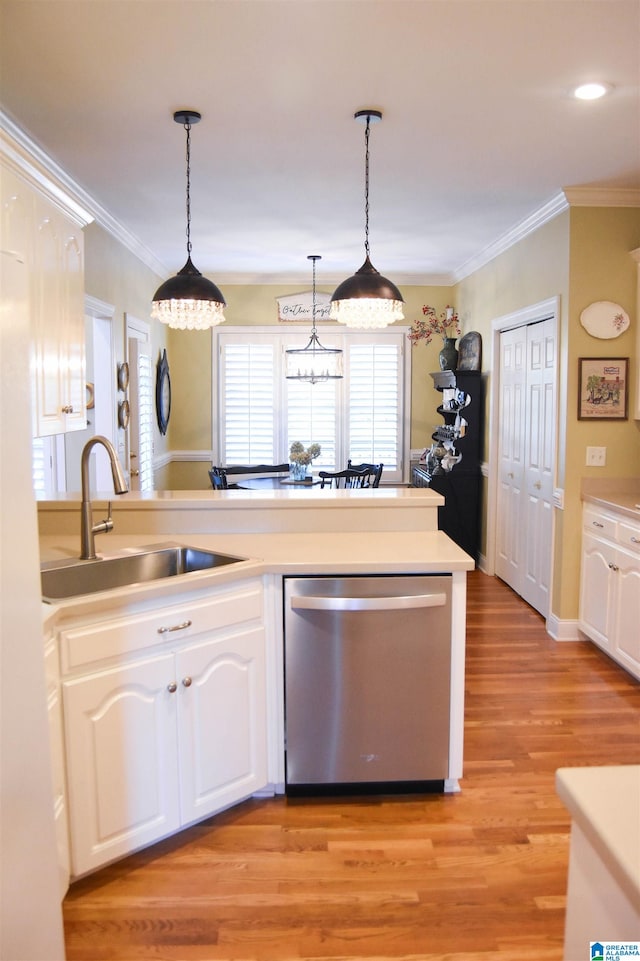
168 738
610 586
54 714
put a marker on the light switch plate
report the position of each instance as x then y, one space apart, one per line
596 456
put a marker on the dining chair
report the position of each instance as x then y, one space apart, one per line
344 478
376 472
218 477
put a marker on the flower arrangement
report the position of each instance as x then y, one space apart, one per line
298 454
447 324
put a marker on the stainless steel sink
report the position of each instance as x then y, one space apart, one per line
63 579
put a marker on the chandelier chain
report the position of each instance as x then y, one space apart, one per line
187 127
366 186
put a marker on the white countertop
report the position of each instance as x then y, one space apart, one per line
379 552
605 803
622 495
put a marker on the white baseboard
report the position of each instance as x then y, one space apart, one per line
566 630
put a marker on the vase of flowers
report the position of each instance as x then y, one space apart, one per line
300 458
447 325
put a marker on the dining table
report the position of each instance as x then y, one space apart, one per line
283 482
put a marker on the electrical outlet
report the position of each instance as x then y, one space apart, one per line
596 456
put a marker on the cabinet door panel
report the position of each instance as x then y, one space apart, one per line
595 590
121 760
221 723
627 612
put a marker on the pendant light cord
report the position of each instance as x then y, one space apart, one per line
366 187
187 127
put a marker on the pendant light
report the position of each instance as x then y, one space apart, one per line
188 301
314 363
367 300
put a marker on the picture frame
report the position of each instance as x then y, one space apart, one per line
603 388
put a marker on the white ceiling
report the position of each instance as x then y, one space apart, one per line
479 131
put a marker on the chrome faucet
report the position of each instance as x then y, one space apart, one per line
87 528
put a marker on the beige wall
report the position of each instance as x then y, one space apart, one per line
581 256
601 268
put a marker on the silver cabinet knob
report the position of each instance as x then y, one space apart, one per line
187 681
172 687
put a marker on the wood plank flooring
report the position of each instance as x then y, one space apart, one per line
476 876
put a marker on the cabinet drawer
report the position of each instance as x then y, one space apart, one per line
599 524
137 633
629 536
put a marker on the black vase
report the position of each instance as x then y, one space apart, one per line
448 355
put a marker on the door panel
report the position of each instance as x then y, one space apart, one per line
527 461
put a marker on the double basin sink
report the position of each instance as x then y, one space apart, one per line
65 579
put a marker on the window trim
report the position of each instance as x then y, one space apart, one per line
332 335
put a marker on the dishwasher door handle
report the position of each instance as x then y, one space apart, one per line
392 602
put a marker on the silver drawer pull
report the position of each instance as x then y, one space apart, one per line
176 627
613 567
393 603
597 524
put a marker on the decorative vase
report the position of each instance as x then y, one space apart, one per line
297 471
448 355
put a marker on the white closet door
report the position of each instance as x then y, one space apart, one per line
513 350
526 461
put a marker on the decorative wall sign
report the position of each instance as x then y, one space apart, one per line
603 391
299 307
604 319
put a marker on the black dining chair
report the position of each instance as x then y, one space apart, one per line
344 478
218 477
376 472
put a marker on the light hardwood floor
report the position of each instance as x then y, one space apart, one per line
476 876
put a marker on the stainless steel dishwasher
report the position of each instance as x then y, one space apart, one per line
367 683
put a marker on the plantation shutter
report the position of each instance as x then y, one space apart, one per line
374 407
247 414
259 413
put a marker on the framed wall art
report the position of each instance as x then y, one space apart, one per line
603 390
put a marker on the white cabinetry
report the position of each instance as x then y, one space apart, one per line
610 585
165 720
54 710
52 245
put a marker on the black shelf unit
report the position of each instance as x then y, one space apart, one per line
461 485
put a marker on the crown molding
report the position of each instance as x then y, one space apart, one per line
524 228
33 164
603 196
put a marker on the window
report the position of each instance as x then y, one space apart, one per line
258 412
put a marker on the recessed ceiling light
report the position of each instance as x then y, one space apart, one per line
591 91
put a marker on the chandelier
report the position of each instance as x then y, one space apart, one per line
367 300
314 363
188 301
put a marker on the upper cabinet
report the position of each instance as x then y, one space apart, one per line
37 229
57 317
